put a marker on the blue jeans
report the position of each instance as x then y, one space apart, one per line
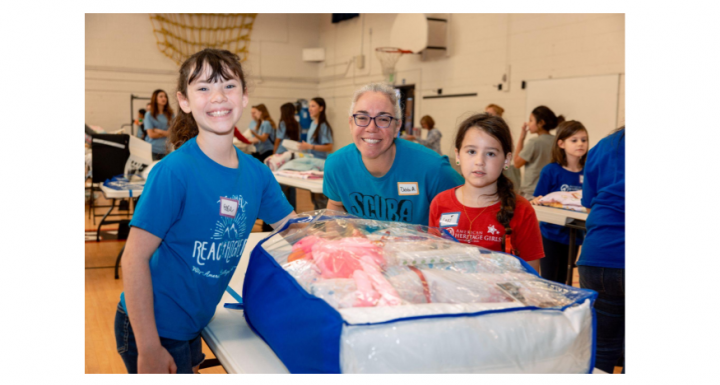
187 354
610 312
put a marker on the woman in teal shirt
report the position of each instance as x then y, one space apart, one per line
156 123
319 141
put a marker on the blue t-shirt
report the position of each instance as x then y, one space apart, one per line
404 194
324 137
604 194
269 143
554 177
204 213
161 122
282 134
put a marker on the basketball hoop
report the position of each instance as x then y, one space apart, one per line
388 56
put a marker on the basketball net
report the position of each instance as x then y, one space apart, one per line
180 35
388 56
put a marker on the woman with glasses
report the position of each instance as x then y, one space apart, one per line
379 177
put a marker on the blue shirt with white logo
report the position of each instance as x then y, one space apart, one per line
554 177
404 194
203 212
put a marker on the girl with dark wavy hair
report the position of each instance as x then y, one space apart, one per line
485 210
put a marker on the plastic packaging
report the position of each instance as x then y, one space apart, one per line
413 299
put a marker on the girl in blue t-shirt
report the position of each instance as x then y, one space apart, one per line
319 142
156 123
264 132
563 173
192 222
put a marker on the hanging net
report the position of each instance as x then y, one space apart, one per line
179 35
388 56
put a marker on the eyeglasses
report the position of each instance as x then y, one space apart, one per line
382 121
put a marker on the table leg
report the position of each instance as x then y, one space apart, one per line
571 256
103 220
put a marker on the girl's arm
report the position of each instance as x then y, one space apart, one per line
317 147
433 137
336 206
517 160
152 356
535 265
277 144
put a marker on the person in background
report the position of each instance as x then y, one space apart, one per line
141 126
265 136
319 141
494 110
602 259
288 128
433 138
564 173
379 176
156 123
538 151
485 210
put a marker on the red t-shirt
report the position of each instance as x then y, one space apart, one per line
447 212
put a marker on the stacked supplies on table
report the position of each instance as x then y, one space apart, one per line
569 200
300 174
276 161
351 295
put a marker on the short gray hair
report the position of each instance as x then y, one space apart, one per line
392 94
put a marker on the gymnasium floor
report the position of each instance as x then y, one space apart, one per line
102 293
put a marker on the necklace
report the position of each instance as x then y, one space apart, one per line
471 220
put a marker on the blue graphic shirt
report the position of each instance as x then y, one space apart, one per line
269 143
604 194
324 137
203 212
161 122
404 194
554 177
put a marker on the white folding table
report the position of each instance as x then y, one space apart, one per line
313 185
573 220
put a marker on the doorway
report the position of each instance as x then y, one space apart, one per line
407 103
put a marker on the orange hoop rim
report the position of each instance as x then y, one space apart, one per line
392 50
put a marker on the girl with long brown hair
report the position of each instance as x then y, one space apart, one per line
191 225
485 210
156 123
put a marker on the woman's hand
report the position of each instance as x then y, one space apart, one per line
536 200
305 146
157 360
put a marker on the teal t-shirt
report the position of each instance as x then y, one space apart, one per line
203 212
160 122
324 137
404 194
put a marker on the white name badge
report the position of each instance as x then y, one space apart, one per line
449 219
408 188
228 207
581 179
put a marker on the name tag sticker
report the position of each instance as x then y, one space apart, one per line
581 179
228 207
408 188
449 219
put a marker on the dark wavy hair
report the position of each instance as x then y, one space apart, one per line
497 128
321 119
287 115
155 109
565 130
547 117
224 65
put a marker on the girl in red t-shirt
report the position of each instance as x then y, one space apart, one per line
485 210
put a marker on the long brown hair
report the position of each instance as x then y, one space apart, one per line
223 64
565 130
155 108
321 119
287 116
264 115
497 128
